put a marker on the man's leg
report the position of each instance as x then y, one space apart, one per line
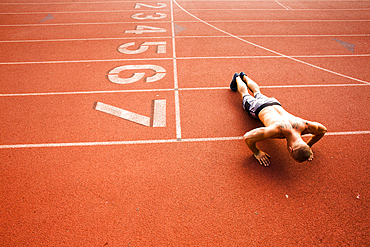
242 87
238 85
250 83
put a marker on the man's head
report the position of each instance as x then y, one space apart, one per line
301 152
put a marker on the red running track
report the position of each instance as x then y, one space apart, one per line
75 176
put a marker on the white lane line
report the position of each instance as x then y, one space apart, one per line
104 2
195 36
87 39
74 2
274 21
361 9
70 12
175 78
275 56
281 86
84 61
111 143
272 51
120 11
156 22
78 24
170 89
319 85
348 133
85 92
180 58
282 5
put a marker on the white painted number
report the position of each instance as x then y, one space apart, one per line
158 113
161 47
160 5
113 75
118 112
140 29
148 17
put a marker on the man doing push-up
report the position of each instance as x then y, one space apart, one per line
278 123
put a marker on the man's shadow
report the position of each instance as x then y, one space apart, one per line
280 162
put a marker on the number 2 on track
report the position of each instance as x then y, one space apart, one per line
160 5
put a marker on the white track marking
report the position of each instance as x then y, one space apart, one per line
71 12
266 49
84 92
195 36
282 5
84 61
178 58
274 21
281 86
77 2
72 40
159 115
363 9
263 56
105 2
118 11
152 22
175 79
348 133
137 142
118 112
170 89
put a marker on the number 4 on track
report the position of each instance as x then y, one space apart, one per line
140 29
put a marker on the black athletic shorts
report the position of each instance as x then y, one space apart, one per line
254 105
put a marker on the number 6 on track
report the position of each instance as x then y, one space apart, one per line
113 75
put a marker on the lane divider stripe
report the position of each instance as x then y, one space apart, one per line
171 89
110 143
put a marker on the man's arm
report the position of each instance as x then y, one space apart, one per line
317 130
257 135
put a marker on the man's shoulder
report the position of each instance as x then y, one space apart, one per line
279 129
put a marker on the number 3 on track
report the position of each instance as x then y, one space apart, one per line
148 17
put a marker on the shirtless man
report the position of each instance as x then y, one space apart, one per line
278 123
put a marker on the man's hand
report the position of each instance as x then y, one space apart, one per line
263 158
310 158
257 135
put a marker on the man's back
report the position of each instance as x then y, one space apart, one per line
288 123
